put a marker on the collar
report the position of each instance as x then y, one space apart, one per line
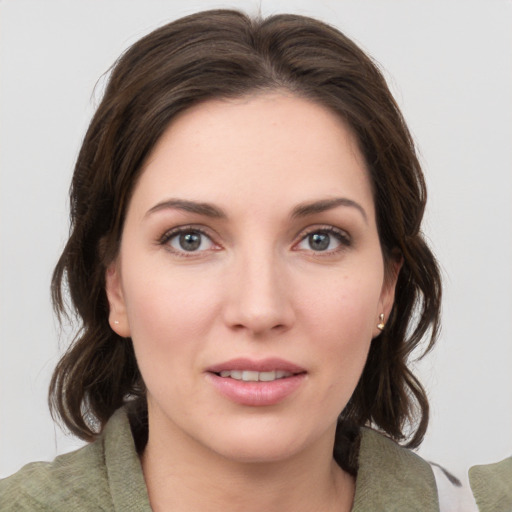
124 471
390 477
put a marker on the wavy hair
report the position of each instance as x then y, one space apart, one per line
227 54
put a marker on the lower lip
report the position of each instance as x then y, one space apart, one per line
256 393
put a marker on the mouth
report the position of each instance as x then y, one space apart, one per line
250 370
256 383
254 376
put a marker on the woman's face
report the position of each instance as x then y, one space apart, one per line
250 277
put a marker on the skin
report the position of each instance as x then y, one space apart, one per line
256 287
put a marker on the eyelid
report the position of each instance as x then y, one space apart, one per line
177 230
343 237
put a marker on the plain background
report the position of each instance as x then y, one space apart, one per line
449 64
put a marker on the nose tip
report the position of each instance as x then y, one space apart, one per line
259 302
259 323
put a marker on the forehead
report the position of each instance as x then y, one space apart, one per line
256 149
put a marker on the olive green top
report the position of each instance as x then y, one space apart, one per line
492 486
106 476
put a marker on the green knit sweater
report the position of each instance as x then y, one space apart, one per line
492 486
106 476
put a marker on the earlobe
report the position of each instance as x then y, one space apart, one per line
117 317
381 323
387 297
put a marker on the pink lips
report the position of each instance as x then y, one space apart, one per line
256 393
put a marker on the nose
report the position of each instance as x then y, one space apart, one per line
259 296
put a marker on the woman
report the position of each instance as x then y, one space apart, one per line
247 263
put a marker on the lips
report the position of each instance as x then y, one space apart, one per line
256 383
254 376
264 365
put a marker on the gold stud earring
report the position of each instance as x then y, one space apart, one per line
381 324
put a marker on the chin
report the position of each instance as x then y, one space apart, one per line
260 452
260 444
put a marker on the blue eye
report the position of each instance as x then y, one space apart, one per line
319 241
323 240
190 240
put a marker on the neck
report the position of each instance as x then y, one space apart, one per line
182 477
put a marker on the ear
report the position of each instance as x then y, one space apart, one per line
387 296
117 318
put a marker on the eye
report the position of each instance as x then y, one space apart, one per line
187 240
327 239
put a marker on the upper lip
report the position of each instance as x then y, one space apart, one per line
262 365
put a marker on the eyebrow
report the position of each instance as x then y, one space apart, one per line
305 209
302 210
206 209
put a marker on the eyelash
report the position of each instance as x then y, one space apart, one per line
172 233
341 236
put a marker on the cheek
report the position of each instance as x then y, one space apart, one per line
345 308
169 322
169 317
341 321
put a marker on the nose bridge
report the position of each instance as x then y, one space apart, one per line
259 299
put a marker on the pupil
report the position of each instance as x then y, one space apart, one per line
319 241
190 241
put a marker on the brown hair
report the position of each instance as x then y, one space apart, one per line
226 54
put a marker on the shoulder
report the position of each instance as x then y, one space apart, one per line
391 477
104 475
492 486
74 481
